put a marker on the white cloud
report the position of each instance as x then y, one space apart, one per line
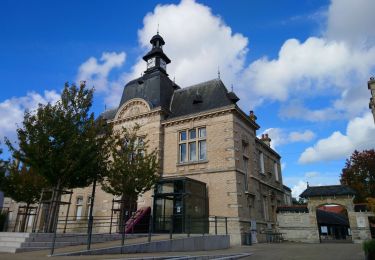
311 174
359 133
196 51
282 136
328 65
298 188
351 21
12 110
204 44
306 68
305 136
96 73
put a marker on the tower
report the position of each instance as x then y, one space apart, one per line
156 58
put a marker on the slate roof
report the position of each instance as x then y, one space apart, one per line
331 218
331 190
287 188
109 114
293 208
210 95
155 88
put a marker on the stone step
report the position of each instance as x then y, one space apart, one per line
11 243
15 239
14 234
7 249
28 249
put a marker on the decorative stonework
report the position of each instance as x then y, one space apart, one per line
133 107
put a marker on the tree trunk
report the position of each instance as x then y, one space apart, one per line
55 206
24 219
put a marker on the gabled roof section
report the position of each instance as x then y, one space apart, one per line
201 97
331 190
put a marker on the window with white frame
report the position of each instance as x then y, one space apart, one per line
192 145
79 204
276 170
261 163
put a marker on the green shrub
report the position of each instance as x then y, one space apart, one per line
369 246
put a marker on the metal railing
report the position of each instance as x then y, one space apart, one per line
175 226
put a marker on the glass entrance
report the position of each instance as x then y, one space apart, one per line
180 203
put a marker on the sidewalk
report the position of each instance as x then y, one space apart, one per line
287 251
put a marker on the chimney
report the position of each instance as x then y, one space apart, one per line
265 138
252 116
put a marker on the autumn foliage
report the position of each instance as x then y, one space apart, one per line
359 174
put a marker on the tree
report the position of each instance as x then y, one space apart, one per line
359 174
63 143
132 168
23 184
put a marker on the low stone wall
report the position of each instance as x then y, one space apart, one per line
201 243
298 227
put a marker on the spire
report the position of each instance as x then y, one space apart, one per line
218 72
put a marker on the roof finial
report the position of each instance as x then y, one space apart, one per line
307 184
231 87
157 31
105 107
174 79
218 72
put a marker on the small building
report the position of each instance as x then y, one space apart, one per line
329 215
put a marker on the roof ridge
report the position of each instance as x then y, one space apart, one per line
198 84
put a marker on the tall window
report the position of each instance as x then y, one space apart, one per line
192 145
246 169
265 208
79 204
276 170
261 162
245 148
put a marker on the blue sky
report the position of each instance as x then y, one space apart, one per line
302 66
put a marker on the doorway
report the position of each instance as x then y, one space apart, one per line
333 224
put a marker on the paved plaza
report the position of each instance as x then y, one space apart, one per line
287 251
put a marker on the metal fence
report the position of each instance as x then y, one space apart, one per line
106 228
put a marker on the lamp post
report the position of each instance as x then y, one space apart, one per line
371 87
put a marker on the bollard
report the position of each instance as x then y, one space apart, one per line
215 225
150 229
171 228
226 225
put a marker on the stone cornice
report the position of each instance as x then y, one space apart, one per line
197 116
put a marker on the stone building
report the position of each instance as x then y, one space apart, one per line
202 138
371 87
